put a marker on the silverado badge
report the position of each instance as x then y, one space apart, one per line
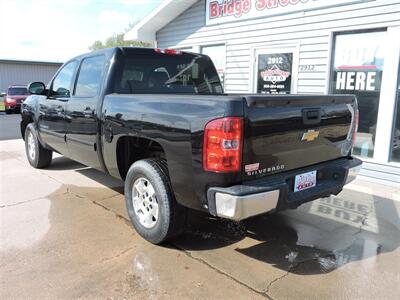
310 136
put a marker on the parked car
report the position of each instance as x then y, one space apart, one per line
160 121
13 98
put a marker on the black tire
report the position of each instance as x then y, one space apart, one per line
42 156
171 216
9 111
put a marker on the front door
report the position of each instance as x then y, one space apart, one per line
51 120
81 114
275 70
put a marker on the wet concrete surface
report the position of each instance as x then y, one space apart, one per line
65 234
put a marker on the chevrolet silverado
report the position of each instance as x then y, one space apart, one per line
160 121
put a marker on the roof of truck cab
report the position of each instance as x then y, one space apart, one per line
111 51
17 86
95 52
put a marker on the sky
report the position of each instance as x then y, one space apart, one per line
57 30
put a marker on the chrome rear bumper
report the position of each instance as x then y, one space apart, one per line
243 207
276 192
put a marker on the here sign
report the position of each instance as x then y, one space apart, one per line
222 11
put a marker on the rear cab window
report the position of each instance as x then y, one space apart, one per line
17 91
181 73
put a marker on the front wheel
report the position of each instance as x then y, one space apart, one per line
150 202
38 156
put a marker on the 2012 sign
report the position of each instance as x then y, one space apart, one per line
274 72
222 11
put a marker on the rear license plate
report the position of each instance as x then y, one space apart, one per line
305 181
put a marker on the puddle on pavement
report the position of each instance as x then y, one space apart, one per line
143 276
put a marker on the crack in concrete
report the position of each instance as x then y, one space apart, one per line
36 199
116 214
116 256
41 172
55 179
279 278
22 202
188 254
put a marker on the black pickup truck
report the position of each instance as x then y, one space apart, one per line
160 121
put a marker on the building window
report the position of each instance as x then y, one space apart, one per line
217 55
396 131
358 59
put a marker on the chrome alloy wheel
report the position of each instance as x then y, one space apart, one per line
31 146
145 204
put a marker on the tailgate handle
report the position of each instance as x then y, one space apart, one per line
312 116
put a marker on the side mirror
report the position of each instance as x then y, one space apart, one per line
36 88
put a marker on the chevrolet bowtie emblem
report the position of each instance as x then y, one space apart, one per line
310 136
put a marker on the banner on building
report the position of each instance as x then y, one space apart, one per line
359 79
222 11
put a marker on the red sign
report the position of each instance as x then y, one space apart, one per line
221 11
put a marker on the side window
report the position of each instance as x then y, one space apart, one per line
63 81
90 76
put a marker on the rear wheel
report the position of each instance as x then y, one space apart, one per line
9 111
37 155
150 202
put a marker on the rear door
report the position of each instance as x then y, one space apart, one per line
81 114
51 120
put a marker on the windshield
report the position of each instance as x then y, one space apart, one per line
17 91
167 74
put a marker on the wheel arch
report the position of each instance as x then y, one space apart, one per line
26 120
130 149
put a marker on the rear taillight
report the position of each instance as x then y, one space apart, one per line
222 149
355 127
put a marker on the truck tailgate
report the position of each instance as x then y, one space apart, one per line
288 132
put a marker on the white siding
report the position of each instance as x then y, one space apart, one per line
22 73
311 30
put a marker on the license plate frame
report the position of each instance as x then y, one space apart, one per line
305 181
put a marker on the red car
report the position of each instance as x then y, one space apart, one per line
15 95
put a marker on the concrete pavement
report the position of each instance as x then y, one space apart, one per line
9 126
65 234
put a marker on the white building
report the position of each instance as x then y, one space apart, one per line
308 47
21 72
